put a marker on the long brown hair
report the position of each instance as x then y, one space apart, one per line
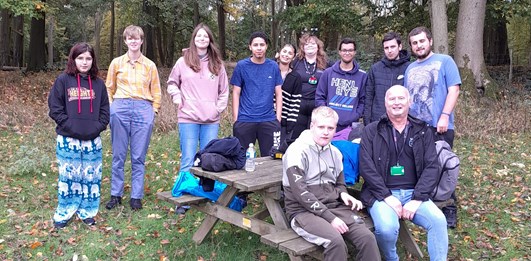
191 58
321 57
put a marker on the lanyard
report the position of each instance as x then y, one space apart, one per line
398 154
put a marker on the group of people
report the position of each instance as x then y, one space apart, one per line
302 98
405 106
82 105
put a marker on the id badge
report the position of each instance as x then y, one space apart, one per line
397 170
312 80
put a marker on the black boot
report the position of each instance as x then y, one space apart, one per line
135 204
113 202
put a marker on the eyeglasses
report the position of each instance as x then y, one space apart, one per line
347 51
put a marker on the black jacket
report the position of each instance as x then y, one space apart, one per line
222 154
77 113
383 75
375 149
291 100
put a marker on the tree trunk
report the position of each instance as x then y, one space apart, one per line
196 14
221 28
97 32
51 23
274 24
439 26
37 57
171 43
495 44
4 37
111 49
119 42
158 38
18 46
469 48
149 51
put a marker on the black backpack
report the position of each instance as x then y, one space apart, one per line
449 171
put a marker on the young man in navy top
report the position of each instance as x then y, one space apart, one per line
256 85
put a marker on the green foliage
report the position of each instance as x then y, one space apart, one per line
29 161
399 16
30 8
501 9
519 43
341 16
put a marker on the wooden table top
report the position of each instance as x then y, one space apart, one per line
268 173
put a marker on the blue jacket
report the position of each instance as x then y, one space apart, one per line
350 152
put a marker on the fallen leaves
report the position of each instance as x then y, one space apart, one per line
36 244
154 216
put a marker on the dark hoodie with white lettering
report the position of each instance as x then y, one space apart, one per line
343 91
79 105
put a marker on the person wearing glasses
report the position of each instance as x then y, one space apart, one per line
342 88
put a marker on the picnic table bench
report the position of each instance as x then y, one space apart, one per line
266 181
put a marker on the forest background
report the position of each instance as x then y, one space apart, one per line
490 41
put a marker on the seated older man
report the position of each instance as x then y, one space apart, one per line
399 164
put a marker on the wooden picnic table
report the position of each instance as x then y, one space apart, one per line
266 181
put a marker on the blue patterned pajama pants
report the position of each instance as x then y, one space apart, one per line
79 163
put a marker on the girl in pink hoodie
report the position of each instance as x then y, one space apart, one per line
198 86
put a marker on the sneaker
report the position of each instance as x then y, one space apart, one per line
89 221
60 225
451 216
135 204
113 202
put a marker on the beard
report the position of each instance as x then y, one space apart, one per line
427 51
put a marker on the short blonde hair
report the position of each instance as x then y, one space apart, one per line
133 31
324 112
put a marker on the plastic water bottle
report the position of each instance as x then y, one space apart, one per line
250 156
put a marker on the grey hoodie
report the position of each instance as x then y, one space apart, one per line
312 178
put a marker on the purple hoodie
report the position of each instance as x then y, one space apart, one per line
344 92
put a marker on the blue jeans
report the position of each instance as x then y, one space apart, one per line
131 126
190 134
428 216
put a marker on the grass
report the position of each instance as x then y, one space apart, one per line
494 191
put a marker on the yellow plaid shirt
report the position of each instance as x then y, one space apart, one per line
137 81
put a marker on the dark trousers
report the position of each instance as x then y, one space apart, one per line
249 132
448 136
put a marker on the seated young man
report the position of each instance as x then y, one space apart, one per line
317 203
400 167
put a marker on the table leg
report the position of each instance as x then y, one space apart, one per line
210 221
279 218
276 212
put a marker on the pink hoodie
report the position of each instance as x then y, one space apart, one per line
202 95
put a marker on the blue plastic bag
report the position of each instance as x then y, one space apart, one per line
187 183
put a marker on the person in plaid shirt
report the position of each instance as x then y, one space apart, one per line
134 93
